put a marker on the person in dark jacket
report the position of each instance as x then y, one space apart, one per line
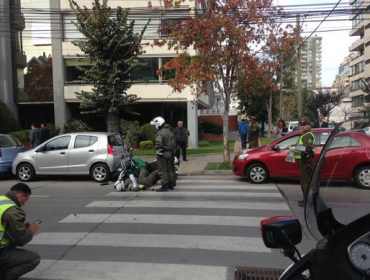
35 136
243 131
181 134
45 132
253 133
15 231
321 123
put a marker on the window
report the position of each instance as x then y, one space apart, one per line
323 136
60 143
147 72
73 73
343 142
85 141
288 142
115 140
357 20
6 142
358 101
358 68
168 74
356 85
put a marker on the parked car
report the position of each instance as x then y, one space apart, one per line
10 146
82 153
260 164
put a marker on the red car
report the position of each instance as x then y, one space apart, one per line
260 164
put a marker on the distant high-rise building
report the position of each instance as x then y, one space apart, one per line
342 79
311 63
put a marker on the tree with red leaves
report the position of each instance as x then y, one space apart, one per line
229 37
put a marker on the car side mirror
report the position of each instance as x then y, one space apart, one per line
275 148
281 232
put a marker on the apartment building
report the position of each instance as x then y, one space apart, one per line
342 79
311 62
157 98
12 58
361 64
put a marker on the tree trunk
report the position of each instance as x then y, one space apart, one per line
113 122
281 91
225 129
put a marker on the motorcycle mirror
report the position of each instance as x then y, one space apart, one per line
281 232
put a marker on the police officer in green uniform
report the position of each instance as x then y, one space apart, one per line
165 147
15 231
253 133
304 155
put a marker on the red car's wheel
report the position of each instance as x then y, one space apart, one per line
362 177
257 173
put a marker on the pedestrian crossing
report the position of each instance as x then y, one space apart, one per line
201 230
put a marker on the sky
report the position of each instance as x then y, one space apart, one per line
335 44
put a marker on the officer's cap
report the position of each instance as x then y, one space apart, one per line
304 121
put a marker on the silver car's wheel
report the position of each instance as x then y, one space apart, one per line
100 173
25 172
257 173
362 177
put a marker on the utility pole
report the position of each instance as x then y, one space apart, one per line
299 73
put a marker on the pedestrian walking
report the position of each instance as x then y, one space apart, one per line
304 154
165 145
243 132
45 132
253 132
15 231
35 136
181 134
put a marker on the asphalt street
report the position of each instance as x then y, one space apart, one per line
203 229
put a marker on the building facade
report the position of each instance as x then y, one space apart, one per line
12 58
157 97
311 63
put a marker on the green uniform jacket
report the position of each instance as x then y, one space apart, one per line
13 220
253 134
165 139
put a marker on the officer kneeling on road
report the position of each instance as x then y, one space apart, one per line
165 147
15 231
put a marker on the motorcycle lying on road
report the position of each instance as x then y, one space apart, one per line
340 223
131 167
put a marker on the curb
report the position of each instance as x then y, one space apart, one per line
208 172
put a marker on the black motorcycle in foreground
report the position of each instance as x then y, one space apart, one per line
340 223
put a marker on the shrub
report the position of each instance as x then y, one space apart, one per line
130 132
8 122
210 127
146 145
74 125
147 132
203 143
22 135
54 130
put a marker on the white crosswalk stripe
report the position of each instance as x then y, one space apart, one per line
201 219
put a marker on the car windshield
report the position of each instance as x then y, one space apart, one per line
346 152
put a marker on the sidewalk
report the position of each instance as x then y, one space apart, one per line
196 164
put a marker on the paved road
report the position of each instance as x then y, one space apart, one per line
202 230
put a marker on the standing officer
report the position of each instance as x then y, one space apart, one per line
253 133
15 231
304 155
165 145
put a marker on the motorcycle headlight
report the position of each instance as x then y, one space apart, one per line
242 156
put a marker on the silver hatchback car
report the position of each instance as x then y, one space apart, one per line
81 153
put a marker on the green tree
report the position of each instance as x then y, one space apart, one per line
112 48
8 122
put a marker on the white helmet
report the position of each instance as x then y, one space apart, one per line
158 122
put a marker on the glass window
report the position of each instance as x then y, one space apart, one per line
323 136
167 74
146 72
73 73
115 140
19 143
285 144
344 141
85 141
5 142
60 143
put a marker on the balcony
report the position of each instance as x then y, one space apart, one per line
19 21
358 29
21 59
357 46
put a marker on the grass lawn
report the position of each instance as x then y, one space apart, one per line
205 147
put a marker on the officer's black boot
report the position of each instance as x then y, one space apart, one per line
170 186
162 189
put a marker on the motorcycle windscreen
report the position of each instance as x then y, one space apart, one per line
339 191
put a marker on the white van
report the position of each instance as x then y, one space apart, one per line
293 126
